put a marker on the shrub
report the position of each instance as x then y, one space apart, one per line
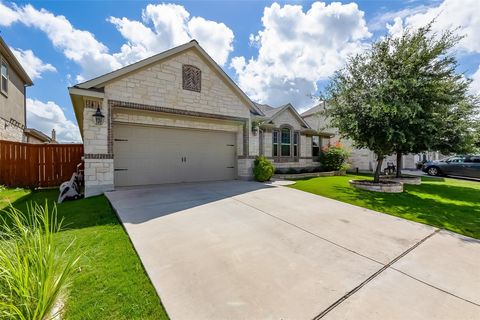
263 169
34 271
334 158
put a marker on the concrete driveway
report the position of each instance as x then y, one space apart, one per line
245 250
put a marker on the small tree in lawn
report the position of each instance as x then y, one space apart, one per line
401 95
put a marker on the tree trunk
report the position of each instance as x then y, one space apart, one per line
376 177
399 164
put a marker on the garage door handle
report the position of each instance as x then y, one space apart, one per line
120 169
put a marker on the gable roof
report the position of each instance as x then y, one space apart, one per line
273 113
99 82
14 63
264 107
37 134
314 110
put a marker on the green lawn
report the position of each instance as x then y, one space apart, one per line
445 203
110 283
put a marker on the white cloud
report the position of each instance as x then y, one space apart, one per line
33 65
47 116
215 38
77 45
7 15
164 26
297 49
172 26
449 14
381 20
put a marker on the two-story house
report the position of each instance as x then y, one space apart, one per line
13 83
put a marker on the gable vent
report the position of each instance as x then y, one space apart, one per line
192 78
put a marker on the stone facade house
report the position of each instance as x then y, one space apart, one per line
177 117
13 83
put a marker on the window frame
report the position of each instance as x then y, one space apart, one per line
275 134
289 144
2 78
296 144
318 146
456 159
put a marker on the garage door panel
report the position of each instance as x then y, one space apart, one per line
153 155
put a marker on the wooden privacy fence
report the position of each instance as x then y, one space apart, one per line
37 165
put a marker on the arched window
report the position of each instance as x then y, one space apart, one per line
285 142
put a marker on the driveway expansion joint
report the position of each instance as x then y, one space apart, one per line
373 276
434 287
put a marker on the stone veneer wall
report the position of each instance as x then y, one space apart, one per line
287 117
161 85
97 156
10 132
245 161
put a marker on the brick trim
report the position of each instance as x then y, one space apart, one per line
246 138
146 107
109 129
98 156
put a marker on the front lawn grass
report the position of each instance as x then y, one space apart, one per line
445 203
110 282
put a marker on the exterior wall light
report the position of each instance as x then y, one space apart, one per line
99 117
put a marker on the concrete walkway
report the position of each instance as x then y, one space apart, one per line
245 250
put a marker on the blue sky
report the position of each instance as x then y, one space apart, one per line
277 52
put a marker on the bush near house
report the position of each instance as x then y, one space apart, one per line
263 169
334 158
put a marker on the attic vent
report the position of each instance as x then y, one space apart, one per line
192 78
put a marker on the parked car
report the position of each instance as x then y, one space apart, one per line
462 166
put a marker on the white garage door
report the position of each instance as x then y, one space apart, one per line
152 155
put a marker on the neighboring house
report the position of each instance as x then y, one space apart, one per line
177 117
13 83
34 136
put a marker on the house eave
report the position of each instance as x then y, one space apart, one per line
77 96
14 63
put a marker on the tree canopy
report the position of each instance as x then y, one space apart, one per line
404 95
